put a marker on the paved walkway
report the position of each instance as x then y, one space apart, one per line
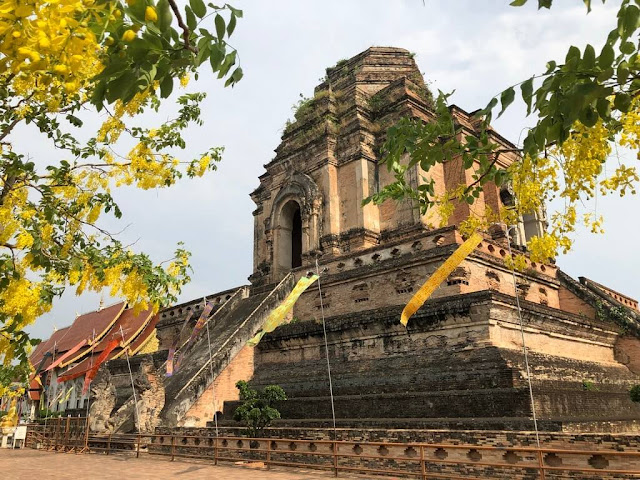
38 464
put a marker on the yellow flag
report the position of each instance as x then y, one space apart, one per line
66 397
277 315
439 276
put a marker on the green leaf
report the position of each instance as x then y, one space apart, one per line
629 24
554 132
622 72
573 56
544 4
490 105
603 106
605 75
605 60
526 88
75 121
551 66
120 87
589 58
231 26
220 26
166 87
588 117
622 102
198 7
518 3
229 61
164 15
506 99
192 23
217 56
98 95
236 11
627 48
588 5
237 75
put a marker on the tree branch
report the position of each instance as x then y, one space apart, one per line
185 29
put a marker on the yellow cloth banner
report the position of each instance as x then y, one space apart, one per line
277 315
439 276
67 395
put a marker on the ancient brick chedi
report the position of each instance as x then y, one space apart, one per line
460 361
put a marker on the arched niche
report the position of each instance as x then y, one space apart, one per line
294 223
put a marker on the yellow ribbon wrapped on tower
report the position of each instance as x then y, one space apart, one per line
439 276
278 314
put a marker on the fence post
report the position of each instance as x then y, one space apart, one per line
109 444
138 447
67 434
56 436
540 465
335 458
268 454
215 451
423 465
86 435
173 447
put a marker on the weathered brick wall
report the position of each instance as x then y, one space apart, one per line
627 352
466 347
572 304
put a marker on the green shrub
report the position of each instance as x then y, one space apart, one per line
256 411
44 413
635 393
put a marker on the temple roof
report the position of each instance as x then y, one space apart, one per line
89 335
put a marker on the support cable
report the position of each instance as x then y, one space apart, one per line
48 404
326 349
213 380
524 347
135 399
93 341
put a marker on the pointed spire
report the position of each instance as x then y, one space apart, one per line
101 305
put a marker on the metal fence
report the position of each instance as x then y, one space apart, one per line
60 434
412 460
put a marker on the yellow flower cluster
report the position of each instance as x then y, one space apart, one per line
543 248
630 136
533 181
113 127
49 48
10 213
146 170
624 178
584 154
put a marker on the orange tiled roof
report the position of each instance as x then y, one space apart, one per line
109 323
82 328
135 329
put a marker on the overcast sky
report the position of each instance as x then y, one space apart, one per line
476 48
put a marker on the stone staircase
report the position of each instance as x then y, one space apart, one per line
167 400
230 328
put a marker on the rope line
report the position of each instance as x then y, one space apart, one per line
326 349
90 366
213 380
524 347
135 399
